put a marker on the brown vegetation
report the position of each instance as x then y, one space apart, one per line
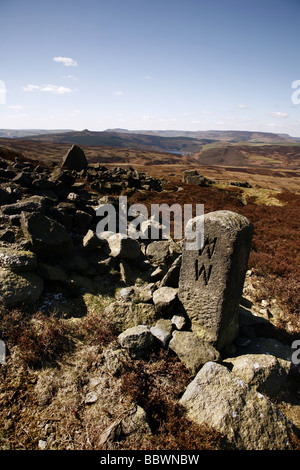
52 358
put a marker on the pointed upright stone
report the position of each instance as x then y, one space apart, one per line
75 159
212 278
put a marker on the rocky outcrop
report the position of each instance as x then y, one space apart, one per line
162 298
193 177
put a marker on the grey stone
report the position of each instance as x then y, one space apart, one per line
115 360
193 177
125 315
31 204
179 321
122 246
211 279
171 278
264 372
17 259
126 273
164 298
75 159
19 288
192 350
134 422
248 420
162 331
91 241
48 237
158 251
136 339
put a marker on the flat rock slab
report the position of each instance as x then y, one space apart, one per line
248 420
212 278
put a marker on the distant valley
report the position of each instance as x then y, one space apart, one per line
237 149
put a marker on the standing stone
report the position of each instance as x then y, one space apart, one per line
75 159
212 278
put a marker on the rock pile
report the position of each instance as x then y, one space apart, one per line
193 177
48 222
186 301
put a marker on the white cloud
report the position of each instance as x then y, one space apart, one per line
15 107
70 77
66 61
17 116
118 93
147 77
278 115
55 89
242 106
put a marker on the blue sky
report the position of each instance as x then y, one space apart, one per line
167 64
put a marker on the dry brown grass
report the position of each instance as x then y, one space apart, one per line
53 362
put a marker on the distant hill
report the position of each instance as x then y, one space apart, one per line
184 142
224 148
215 135
19 133
125 140
252 155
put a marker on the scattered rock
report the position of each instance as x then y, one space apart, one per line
179 321
18 288
264 372
162 331
164 299
17 259
31 204
248 420
137 339
115 360
193 177
135 422
192 350
48 237
125 315
124 247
